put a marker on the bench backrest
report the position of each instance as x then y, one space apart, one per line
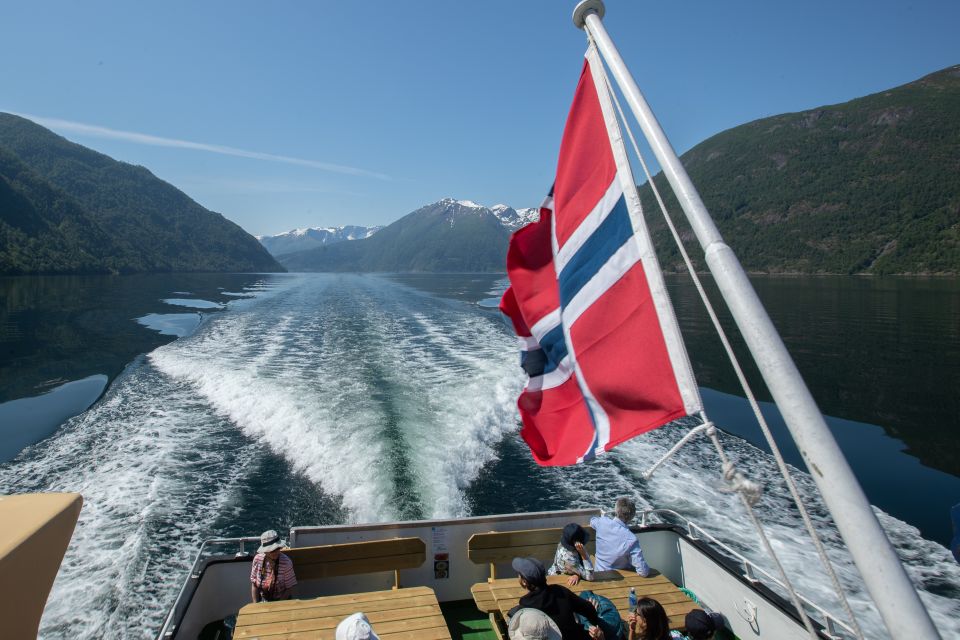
503 546
327 561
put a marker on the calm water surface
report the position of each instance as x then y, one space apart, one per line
239 403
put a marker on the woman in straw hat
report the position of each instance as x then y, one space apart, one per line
271 574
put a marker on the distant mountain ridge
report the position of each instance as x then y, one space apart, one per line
870 186
446 236
65 208
303 239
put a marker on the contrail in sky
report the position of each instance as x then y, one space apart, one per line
157 141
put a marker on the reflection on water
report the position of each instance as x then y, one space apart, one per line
28 420
895 482
172 324
884 351
59 328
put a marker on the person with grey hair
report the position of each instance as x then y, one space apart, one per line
617 546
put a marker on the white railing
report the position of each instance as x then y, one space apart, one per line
830 623
240 544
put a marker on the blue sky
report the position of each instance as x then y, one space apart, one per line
293 114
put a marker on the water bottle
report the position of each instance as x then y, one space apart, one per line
632 600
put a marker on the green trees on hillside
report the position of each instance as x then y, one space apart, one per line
869 186
67 209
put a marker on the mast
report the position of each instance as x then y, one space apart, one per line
884 576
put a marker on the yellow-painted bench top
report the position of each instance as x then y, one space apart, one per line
398 614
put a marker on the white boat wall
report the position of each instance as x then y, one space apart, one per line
218 585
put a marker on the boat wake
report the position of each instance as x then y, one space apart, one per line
342 398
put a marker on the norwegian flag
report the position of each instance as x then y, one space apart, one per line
587 300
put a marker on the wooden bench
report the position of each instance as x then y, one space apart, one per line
503 546
614 585
398 614
353 558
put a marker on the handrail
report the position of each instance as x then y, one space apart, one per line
695 532
168 629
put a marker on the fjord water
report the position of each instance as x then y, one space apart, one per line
318 399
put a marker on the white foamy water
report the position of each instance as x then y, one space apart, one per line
388 403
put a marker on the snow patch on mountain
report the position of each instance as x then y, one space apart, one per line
512 218
312 237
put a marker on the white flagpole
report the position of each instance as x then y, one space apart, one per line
884 576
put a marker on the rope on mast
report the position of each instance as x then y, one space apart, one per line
747 492
748 489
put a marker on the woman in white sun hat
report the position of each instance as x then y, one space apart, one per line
532 624
271 574
355 627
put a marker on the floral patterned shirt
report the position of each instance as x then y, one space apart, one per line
570 562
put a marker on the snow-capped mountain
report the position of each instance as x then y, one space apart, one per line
512 218
509 217
303 239
445 236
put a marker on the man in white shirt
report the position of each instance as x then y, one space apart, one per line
617 546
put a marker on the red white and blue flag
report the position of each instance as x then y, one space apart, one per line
587 300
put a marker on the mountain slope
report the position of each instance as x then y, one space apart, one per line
449 235
868 186
42 230
162 226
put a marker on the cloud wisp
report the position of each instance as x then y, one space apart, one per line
157 141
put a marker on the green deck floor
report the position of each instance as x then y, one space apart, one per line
466 622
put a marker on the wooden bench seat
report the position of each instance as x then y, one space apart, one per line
614 585
497 596
503 546
398 614
353 558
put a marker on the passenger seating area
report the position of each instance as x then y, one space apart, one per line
497 596
406 613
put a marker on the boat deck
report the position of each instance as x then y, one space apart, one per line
466 622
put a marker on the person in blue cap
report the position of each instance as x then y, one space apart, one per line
558 602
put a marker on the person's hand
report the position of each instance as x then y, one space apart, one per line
580 549
596 633
574 579
632 621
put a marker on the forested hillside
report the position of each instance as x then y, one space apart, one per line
42 230
67 209
868 186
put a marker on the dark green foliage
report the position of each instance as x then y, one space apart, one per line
42 230
67 209
441 237
869 186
